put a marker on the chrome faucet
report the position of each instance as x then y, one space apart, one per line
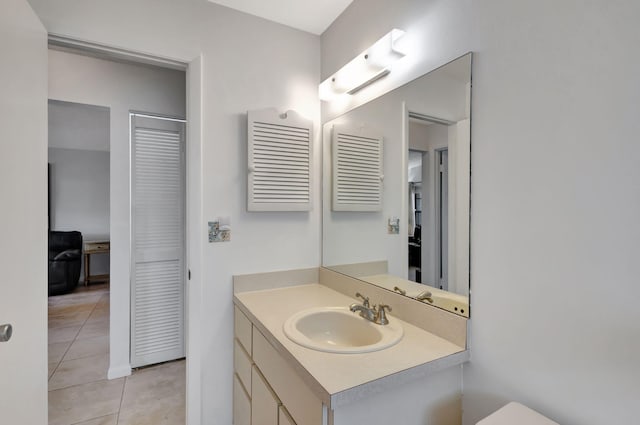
376 314
366 312
425 295
365 300
381 317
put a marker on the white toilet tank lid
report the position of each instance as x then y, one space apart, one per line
516 413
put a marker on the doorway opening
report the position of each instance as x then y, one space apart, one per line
97 356
427 170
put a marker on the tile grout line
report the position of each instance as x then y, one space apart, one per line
63 358
91 419
115 416
124 384
67 350
73 341
79 385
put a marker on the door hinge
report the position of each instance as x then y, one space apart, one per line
188 274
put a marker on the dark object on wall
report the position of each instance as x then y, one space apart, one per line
65 259
415 248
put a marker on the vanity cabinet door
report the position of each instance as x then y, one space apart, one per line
299 399
264 403
284 418
242 365
241 404
243 330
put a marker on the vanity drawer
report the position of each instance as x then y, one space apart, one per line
264 403
242 365
304 407
241 404
243 329
284 418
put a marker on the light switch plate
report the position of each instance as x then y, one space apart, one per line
393 226
220 230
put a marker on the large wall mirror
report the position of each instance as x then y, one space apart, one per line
396 179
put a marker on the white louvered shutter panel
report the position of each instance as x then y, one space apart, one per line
280 158
158 189
357 170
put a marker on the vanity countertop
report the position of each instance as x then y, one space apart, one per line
338 379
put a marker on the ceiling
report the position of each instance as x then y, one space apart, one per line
307 15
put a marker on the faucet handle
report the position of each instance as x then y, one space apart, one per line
365 300
381 316
425 295
399 290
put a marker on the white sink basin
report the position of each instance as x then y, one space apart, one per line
338 330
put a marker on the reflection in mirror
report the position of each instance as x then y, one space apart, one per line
416 241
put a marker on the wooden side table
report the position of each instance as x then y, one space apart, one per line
90 248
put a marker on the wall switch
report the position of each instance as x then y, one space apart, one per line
393 227
220 230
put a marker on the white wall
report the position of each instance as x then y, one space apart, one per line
23 194
79 181
120 87
247 63
555 94
426 138
415 162
78 126
79 184
567 66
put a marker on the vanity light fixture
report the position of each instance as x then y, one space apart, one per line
365 69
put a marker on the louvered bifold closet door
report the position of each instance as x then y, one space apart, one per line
279 161
158 197
356 169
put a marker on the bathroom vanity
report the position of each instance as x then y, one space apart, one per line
278 381
308 350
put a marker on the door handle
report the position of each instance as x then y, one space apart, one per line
5 332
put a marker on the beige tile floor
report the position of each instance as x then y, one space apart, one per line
79 391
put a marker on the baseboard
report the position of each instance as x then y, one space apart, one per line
119 371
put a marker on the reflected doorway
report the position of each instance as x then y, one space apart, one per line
415 213
428 195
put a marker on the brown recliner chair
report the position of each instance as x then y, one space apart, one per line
65 259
